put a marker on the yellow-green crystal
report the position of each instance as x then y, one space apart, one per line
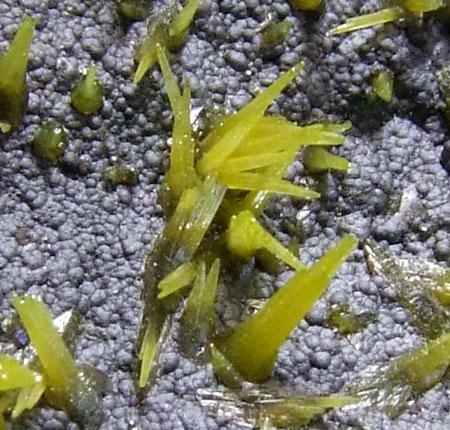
307 4
179 242
13 87
252 346
227 137
13 375
235 154
255 407
181 174
425 367
56 360
364 21
65 389
199 319
252 162
87 95
245 236
416 282
402 8
28 397
260 182
146 54
181 277
383 85
320 160
133 10
292 412
168 29
224 370
179 26
422 6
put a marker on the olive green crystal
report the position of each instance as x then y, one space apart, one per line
383 85
274 33
346 321
87 95
310 5
133 10
120 174
49 143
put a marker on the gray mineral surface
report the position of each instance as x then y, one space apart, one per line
80 246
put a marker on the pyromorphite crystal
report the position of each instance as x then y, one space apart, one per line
252 346
133 10
223 140
168 29
425 367
56 360
274 33
245 236
383 85
244 151
391 387
14 375
87 95
364 21
28 397
252 181
199 318
420 285
293 412
13 87
49 143
181 277
179 26
346 321
400 9
20 387
224 370
422 6
320 160
181 174
255 406
66 389
180 240
120 174
307 4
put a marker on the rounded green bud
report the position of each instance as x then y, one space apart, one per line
49 143
119 174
